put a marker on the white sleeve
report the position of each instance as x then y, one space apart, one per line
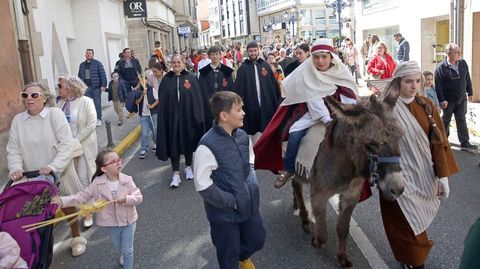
203 166
317 109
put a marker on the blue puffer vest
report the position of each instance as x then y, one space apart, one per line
233 175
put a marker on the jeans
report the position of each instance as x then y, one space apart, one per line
459 109
237 241
294 139
146 125
122 239
96 95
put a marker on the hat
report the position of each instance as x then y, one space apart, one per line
322 44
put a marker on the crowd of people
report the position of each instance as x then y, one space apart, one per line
212 105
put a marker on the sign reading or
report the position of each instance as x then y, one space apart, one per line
135 8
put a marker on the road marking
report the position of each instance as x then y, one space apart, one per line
365 246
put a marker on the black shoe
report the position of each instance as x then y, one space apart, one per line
467 145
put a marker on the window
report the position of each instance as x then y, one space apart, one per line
320 33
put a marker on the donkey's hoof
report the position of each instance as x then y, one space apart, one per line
307 227
344 261
316 243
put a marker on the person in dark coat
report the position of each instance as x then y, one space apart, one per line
254 77
302 53
129 69
180 118
214 77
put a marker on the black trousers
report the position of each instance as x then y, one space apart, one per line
459 109
176 161
237 241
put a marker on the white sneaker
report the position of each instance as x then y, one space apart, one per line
175 181
120 261
88 222
99 123
188 173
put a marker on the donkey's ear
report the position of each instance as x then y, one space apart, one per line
390 97
351 113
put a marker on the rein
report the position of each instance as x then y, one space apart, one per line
374 161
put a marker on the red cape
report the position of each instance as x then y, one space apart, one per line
268 149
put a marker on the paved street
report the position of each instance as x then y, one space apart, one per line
172 230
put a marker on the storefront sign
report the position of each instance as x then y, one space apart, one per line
135 8
182 30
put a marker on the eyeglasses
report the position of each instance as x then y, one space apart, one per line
59 85
34 95
116 162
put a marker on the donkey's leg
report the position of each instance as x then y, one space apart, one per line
300 202
348 201
319 196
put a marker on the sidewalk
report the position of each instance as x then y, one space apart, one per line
119 133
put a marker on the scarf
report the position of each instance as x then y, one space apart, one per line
306 83
418 202
66 105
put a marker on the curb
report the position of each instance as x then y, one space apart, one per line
128 141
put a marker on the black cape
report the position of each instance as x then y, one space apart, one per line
180 122
207 84
257 117
291 67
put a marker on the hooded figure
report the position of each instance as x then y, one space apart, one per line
257 86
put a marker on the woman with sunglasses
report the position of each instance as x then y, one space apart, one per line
41 139
82 117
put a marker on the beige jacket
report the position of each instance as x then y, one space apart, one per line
85 130
115 214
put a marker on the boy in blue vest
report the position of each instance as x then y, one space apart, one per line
225 179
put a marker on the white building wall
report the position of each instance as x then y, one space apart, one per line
67 34
393 14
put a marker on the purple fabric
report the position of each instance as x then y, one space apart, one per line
11 202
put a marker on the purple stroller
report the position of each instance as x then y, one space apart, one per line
27 203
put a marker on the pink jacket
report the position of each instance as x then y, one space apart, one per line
10 252
115 214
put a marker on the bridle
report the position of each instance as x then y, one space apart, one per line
374 161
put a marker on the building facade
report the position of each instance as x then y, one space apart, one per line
158 26
284 20
235 21
430 26
186 23
214 20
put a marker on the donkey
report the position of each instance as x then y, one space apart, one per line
362 142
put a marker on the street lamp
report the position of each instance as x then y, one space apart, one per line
291 18
338 6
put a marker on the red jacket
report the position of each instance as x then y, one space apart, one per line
377 63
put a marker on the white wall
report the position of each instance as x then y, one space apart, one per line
407 14
78 25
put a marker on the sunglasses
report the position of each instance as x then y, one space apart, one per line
116 162
34 95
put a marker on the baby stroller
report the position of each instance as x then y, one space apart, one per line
26 203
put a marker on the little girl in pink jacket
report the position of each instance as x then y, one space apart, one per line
119 217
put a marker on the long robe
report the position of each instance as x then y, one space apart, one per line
408 248
257 115
207 80
180 117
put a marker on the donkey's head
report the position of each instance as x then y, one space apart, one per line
370 134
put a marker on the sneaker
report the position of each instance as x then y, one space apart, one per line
188 173
99 123
175 181
120 261
143 154
467 145
120 123
154 148
282 179
88 222
246 264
